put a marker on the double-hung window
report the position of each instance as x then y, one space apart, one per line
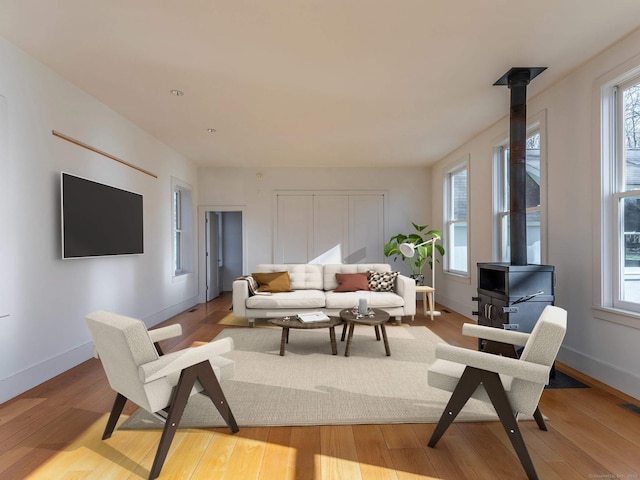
621 195
456 190
535 195
182 228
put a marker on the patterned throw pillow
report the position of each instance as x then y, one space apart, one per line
382 281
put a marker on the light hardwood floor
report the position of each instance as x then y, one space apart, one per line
53 432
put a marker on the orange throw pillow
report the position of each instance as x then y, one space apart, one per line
273 282
352 282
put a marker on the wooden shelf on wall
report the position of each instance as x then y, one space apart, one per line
105 154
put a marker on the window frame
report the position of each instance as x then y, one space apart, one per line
182 229
607 220
449 219
535 123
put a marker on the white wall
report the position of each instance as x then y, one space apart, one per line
45 297
602 349
407 200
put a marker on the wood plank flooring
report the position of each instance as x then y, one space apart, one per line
54 430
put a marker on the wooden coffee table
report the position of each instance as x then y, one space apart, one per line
379 318
293 322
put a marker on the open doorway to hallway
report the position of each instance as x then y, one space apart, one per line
223 255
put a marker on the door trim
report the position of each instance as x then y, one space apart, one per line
202 272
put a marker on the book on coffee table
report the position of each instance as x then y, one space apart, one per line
312 317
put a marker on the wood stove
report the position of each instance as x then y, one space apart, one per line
513 295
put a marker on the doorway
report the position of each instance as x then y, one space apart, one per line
223 250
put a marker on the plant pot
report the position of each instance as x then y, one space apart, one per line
418 278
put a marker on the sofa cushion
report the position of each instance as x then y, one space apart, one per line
273 282
330 270
382 281
303 276
374 299
300 299
352 282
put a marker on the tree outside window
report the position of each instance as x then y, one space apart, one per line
628 197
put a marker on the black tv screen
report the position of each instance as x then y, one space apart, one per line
99 220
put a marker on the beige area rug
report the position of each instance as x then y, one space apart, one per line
309 386
232 320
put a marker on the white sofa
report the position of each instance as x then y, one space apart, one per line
312 288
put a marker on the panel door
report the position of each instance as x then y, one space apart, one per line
330 228
293 240
366 229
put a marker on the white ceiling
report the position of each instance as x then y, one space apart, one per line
312 82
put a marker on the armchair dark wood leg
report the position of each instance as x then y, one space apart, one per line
118 406
203 372
158 348
537 415
493 385
467 384
214 391
181 396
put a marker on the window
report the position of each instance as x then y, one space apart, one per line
182 228
621 195
535 195
456 188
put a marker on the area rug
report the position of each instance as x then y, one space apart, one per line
232 320
309 386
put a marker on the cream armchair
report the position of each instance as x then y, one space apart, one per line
512 385
156 382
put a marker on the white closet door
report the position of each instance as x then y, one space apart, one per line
293 240
366 229
330 228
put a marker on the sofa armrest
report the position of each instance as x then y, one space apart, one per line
406 288
240 294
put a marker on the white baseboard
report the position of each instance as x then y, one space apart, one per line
457 307
625 381
35 375
169 312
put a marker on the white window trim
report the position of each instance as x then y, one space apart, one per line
460 164
605 182
535 122
187 238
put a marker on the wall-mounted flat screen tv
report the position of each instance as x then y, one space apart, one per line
99 220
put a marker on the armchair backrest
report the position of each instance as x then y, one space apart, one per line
542 348
546 337
123 344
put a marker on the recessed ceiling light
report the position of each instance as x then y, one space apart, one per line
211 130
177 93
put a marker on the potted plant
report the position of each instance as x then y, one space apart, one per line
423 252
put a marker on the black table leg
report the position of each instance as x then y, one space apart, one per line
283 340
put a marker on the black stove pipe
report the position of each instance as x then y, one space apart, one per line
517 80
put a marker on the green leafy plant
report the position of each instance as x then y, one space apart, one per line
424 253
